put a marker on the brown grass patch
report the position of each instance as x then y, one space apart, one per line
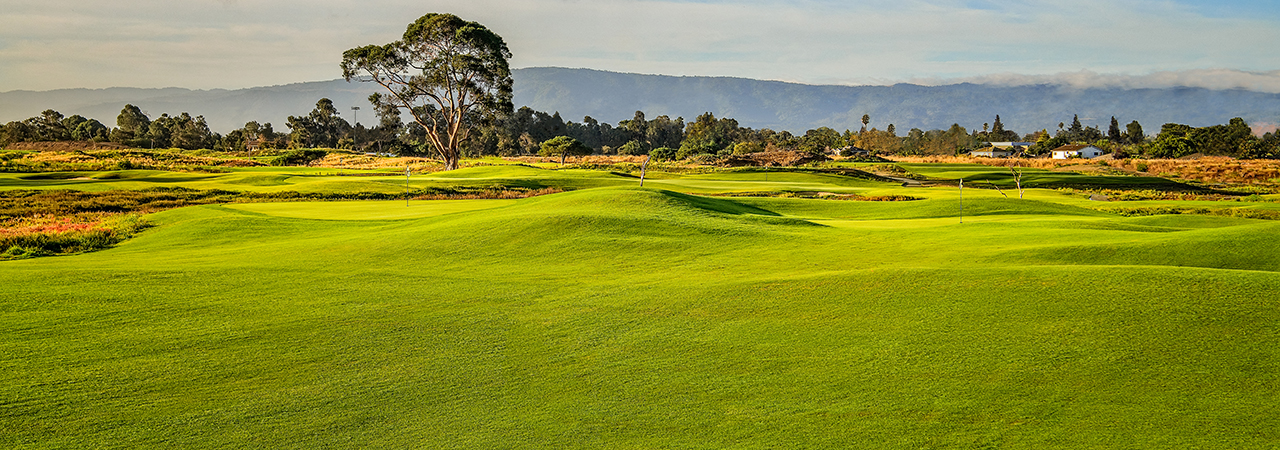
589 159
1208 169
64 146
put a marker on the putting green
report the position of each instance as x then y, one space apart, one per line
369 210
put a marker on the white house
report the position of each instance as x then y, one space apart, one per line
992 152
1012 144
1077 151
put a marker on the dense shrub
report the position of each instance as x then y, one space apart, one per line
663 154
632 148
299 157
1246 213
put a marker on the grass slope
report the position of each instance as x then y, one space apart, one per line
642 318
324 180
1034 178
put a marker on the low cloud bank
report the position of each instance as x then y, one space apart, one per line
1217 79
1261 128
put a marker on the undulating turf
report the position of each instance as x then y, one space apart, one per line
370 210
626 317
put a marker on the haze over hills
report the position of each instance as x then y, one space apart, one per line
611 97
608 96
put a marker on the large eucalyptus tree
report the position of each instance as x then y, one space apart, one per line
447 73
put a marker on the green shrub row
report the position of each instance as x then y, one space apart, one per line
1246 213
299 157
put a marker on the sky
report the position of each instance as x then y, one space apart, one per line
230 44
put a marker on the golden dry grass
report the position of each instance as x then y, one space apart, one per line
590 159
1209 169
357 161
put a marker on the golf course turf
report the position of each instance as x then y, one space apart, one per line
617 316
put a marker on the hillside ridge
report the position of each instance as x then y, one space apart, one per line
780 105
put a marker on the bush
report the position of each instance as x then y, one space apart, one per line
663 153
743 148
300 157
688 152
632 148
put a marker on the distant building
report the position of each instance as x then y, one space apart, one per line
993 152
851 151
1011 144
1077 151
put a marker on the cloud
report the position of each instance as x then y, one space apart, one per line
230 44
1200 78
1261 128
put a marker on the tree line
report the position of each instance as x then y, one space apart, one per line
708 136
527 132
323 127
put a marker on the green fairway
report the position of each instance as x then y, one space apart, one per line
372 210
1036 178
615 316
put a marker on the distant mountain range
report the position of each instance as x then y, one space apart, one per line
611 97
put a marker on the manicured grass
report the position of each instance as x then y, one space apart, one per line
322 180
1031 177
625 317
370 210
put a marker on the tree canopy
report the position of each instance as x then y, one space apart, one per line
563 146
449 74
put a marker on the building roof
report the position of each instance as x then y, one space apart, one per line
1074 148
1011 144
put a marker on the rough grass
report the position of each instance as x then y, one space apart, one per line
50 235
1212 169
980 176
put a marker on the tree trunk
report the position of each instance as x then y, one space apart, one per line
644 167
1017 178
451 163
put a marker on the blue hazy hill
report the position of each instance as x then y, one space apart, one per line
611 97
